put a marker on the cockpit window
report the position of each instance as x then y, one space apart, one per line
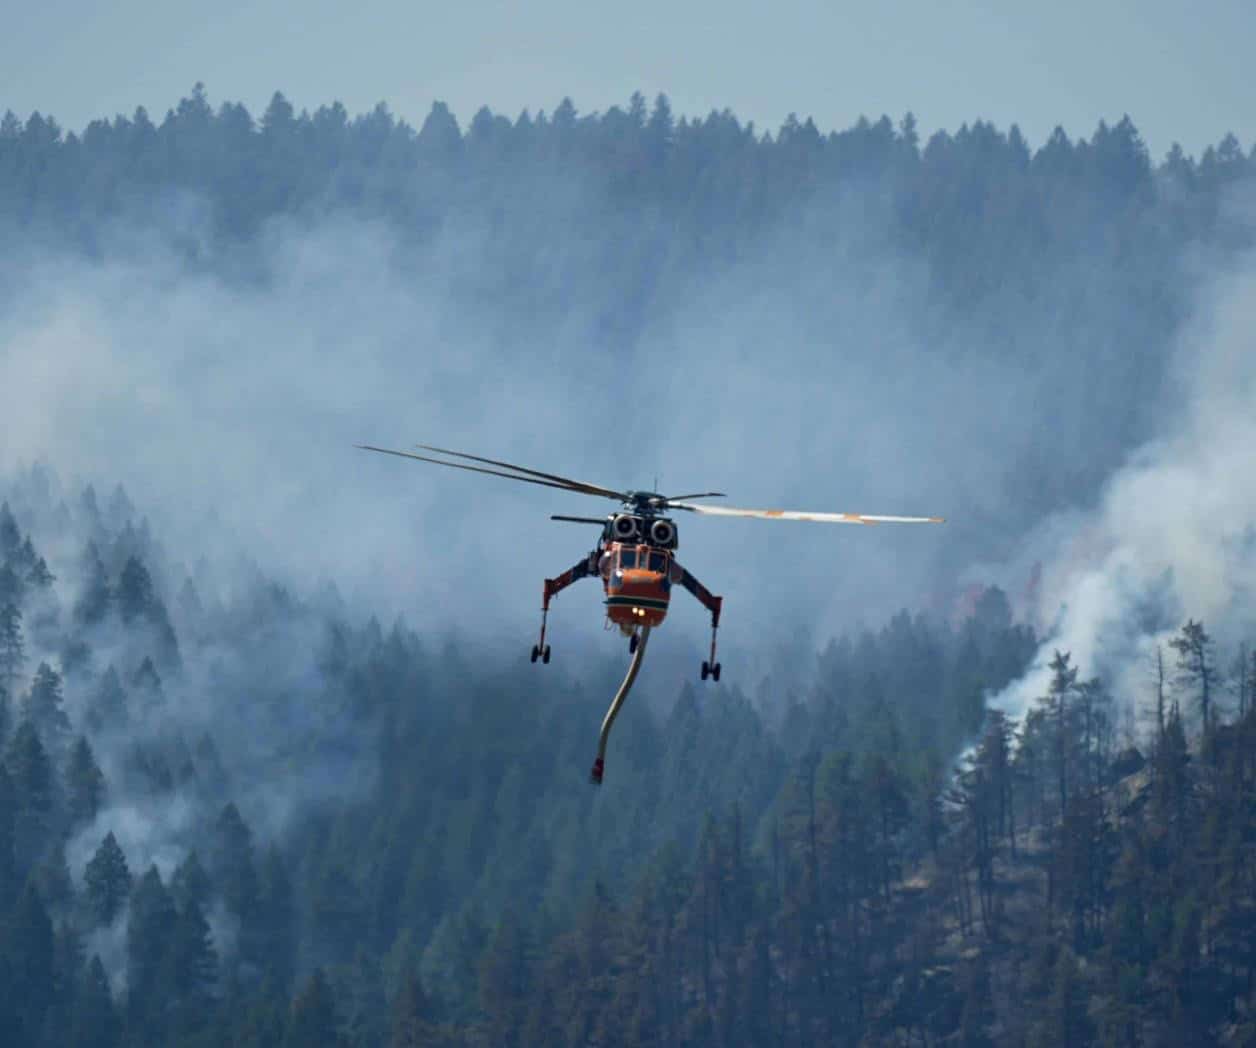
627 558
658 562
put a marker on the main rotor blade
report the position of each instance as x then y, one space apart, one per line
790 514
592 489
669 499
491 472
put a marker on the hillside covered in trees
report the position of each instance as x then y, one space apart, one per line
237 809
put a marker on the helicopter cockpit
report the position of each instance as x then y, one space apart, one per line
633 558
643 560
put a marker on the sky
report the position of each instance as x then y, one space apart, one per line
1177 72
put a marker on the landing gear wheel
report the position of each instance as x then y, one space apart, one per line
632 644
545 656
595 776
715 673
536 653
706 669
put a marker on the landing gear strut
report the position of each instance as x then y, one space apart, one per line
542 650
581 569
711 668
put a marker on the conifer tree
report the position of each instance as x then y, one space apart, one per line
52 876
85 782
10 537
231 863
12 646
1056 706
505 975
313 1022
12 588
135 593
106 881
107 707
6 716
95 597
148 941
1197 674
38 575
9 882
28 953
276 921
193 966
413 1024
95 1022
44 708
190 884
34 792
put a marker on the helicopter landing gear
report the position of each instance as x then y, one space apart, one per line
542 651
581 569
633 641
711 668
595 775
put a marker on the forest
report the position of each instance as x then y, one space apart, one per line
238 809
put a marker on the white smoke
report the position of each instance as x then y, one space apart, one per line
1174 535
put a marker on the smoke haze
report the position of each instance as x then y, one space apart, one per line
810 373
1173 534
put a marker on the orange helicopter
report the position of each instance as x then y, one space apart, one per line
635 557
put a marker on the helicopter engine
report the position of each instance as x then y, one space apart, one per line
663 534
625 528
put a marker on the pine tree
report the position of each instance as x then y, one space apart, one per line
28 952
6 716
10 537
106 881
148 940
52 876
313 1022
1065 1021
95 597
44 708
413 1024
95 1022
231 863
107 707
9 882
12 647
12 589
34 792
1056 707
505 981
146 686
39 576
86 784
276 921
190 884
1196 670
978 1011
135 592
193 966
68 969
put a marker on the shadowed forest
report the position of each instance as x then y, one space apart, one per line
239 810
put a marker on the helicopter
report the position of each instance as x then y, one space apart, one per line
635 557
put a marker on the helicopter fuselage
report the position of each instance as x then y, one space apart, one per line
636 566
638 581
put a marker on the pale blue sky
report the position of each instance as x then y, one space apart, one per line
1181 74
